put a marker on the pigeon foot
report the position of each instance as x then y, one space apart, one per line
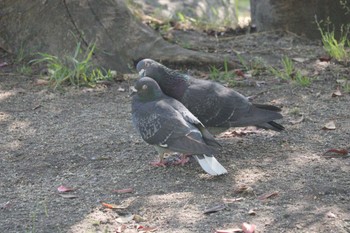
184 159
159 163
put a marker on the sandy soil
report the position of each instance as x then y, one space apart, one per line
83 139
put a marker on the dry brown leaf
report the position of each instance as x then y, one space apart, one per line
144 229
248 228
300 59
40 82
336 93
335 153
268 195
329 126
243 189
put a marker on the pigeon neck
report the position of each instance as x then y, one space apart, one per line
175 84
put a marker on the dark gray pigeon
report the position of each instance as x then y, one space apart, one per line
167 124
212 103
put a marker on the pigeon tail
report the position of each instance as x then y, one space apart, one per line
210 165
271 125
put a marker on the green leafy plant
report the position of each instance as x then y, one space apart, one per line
336 48
24 70
223 76
77 70
290 73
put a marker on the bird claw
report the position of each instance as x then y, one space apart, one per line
159 164
184 159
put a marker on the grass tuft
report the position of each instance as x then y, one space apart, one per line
77 70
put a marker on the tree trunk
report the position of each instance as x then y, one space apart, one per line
298 16
55 27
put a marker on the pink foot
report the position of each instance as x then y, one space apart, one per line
184 159
158 164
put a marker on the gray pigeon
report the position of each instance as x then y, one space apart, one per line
212 103
167 124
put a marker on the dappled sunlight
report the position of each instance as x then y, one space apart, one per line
6 94
248 176
12 146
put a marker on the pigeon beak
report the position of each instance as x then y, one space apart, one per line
142 72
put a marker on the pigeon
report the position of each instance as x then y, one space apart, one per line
216 106
169 126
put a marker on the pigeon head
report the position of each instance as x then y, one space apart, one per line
150 68
147 89
171 82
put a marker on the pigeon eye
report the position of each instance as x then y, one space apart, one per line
144 87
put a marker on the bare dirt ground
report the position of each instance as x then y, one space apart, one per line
83 138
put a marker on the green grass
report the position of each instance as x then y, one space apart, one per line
225 76
290 73
76 70
336 48
24 70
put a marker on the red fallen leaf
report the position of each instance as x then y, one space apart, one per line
341 152
239 72
325 58
110 206
231 230
63 189
141 228
268 195
128 190
248 228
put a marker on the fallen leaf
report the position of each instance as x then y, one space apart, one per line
215 209
299 59
63 189
68 196
325 58
230 230
336 93
121 89
251 212
139 218
297 121
5 205
121 228
239 72
232 200
331 215
2 64
268 195
125 219
329 126
124 205
333 153
127 190
40 82
143 229
248 228
243 189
